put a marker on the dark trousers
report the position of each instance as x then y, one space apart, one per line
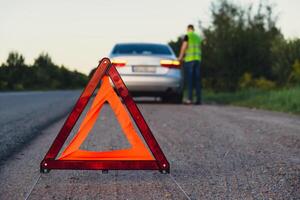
192 77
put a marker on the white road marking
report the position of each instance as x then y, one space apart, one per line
186 195
31 189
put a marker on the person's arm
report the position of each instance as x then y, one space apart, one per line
183 48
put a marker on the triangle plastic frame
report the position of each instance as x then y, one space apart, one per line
160 162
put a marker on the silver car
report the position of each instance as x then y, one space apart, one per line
149 70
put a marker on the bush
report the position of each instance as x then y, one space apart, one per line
285 58
3 85
246 81
264 84
295 74
18 87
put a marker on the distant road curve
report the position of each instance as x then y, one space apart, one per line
24 114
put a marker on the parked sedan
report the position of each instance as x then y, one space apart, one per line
149 70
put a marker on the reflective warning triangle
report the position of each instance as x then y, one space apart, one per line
137 157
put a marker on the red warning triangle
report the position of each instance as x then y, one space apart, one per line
137 157
138 151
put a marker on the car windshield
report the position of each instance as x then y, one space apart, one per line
142 49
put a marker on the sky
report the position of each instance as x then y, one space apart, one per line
78 33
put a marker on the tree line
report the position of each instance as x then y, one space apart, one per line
244 48
15 74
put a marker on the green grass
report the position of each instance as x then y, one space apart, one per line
283 100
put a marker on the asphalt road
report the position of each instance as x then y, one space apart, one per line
24 114
215 152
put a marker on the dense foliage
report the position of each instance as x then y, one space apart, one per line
243 47
43 74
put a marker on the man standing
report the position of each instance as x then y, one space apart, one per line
190 53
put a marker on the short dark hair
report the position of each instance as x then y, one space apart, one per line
190 26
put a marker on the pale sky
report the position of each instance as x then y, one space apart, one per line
78 33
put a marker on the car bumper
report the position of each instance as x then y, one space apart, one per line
152 84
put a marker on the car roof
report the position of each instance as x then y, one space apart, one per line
140 43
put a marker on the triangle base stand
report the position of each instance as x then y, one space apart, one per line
104 165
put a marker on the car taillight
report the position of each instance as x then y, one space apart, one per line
119 62
170 63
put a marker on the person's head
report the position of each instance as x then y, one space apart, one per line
190 28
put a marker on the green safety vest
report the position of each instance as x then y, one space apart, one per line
193 51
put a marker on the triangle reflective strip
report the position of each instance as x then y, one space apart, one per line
138 151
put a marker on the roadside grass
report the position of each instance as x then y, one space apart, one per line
282 100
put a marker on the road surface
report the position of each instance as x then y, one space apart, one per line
24 114
215 152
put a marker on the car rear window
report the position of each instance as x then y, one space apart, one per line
142 49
